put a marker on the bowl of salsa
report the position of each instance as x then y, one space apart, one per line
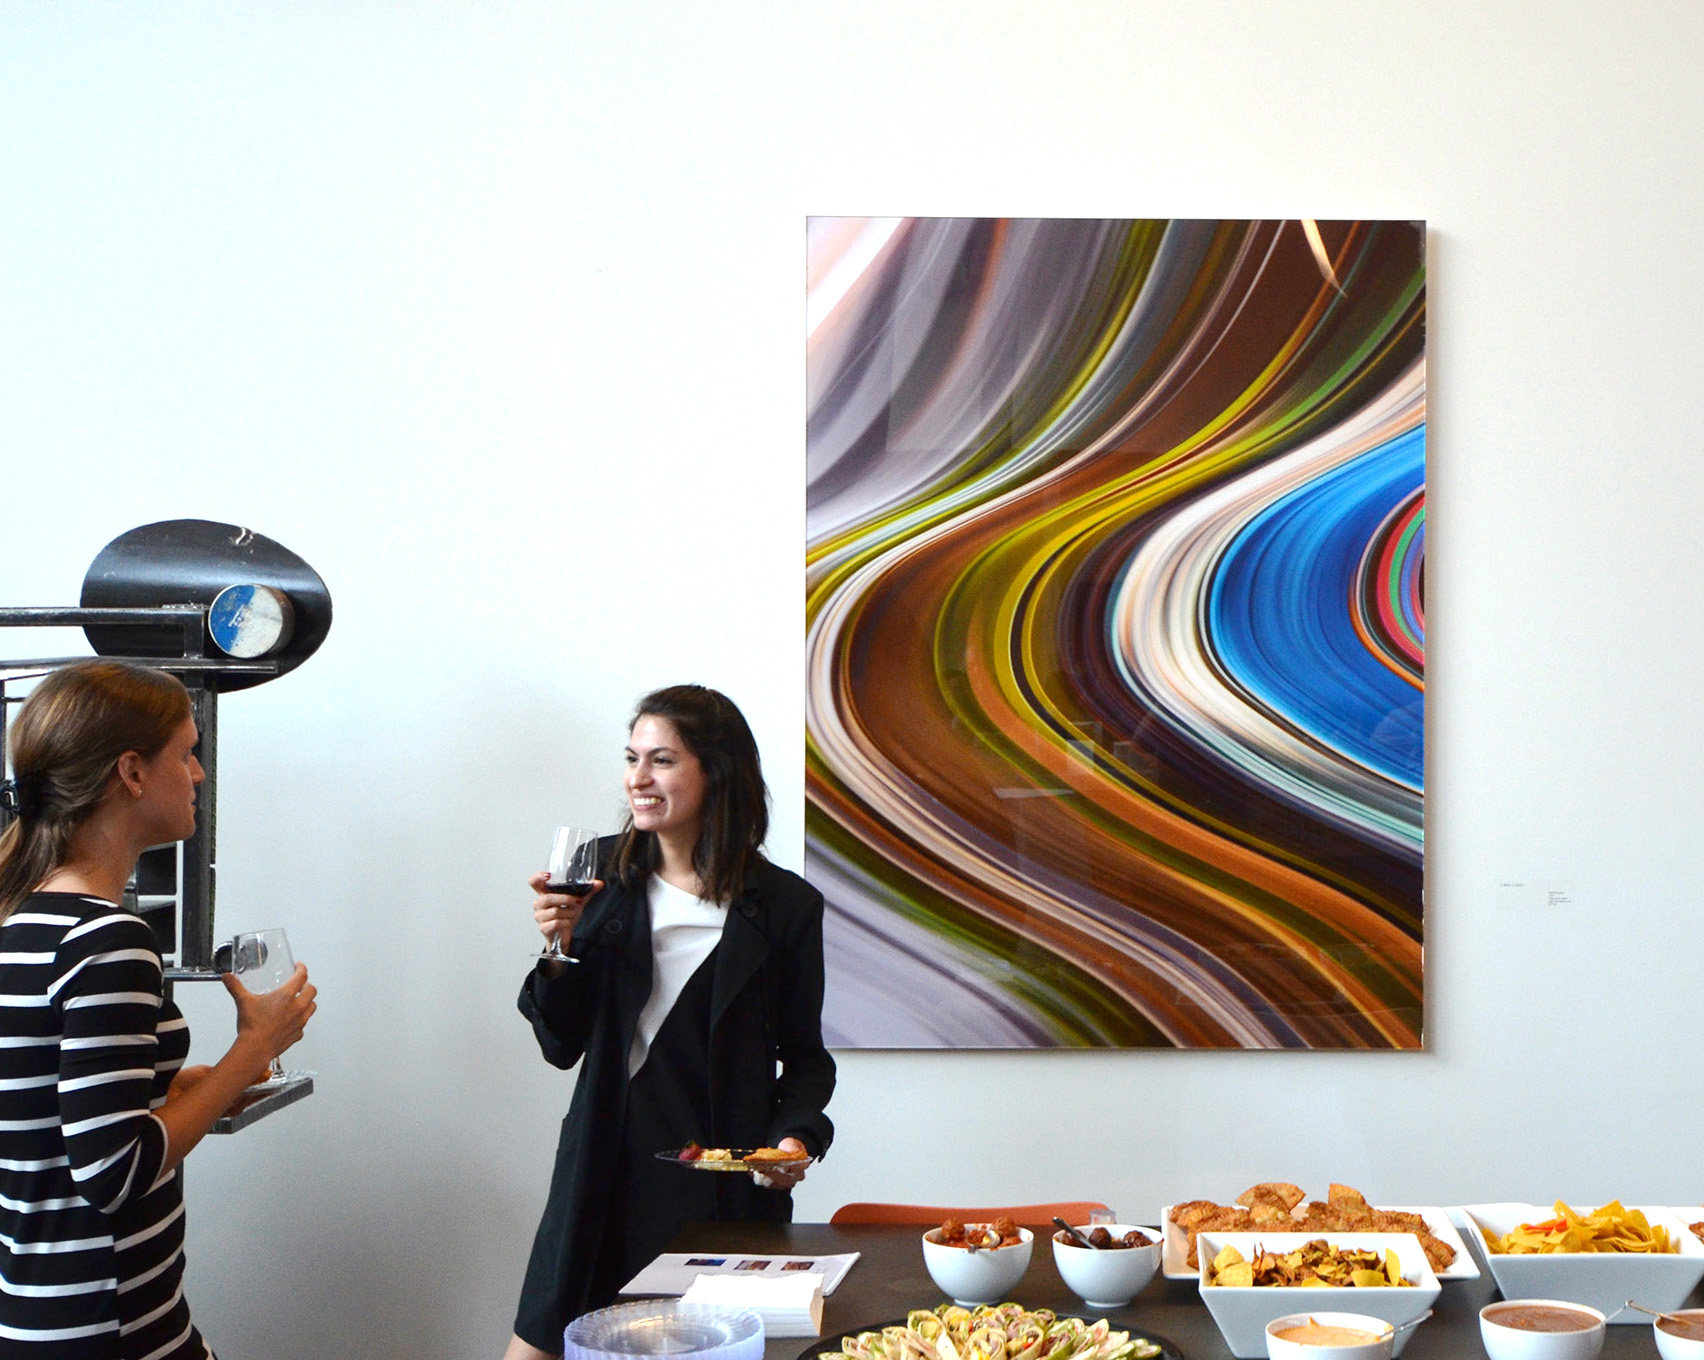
1541 1329
1680 1335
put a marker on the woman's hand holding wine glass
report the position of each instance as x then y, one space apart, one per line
262 962
270 1022
562 891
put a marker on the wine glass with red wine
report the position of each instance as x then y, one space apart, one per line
573 870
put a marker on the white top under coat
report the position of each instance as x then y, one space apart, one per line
684 929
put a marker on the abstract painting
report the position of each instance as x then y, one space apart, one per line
1115 631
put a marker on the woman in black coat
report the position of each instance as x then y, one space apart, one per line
699 973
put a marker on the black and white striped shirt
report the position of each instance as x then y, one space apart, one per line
91 1234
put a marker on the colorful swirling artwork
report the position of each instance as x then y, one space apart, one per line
1116 626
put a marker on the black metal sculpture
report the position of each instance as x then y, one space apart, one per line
223 608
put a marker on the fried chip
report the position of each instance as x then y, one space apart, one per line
1271 1206
1313 1265
1228 1256
1275 1192
1609 1228
1343 1196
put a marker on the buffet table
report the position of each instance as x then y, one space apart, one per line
889 1280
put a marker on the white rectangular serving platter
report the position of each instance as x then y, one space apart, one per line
1176 1243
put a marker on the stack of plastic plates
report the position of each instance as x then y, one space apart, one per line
694 1331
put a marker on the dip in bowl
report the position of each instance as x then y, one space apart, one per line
1328 1336
1683 1338
1540 1329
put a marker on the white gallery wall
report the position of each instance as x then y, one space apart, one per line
494 313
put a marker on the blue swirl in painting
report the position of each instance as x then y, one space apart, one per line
1279 617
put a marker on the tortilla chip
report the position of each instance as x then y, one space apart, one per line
1282 1192
1609 1228
1340 1196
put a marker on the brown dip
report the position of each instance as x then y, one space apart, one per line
1319 1334
1689 1326
1539 1317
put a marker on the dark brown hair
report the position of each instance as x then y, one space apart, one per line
66 741
736 801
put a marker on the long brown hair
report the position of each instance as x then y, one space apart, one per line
736 800
66 741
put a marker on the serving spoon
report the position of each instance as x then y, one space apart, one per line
1390 1328
1660 1317
1412 1322
1075 1236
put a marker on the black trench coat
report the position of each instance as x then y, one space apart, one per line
765 1009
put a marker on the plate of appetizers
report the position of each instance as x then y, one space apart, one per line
942 1332
1277 1207
696 1158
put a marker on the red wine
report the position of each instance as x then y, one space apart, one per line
578 887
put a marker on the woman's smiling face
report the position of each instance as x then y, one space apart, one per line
665 783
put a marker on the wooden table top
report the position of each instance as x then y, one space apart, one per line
889 1280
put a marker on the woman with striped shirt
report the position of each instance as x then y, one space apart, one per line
96 1106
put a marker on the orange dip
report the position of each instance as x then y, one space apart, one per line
1538 1317
1319 1334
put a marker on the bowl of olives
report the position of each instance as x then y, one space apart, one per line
1114 1268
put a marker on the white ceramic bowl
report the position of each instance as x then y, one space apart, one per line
1672 1347
1513 1343
1603 1280
984 1276
1110 1278
1243 1312
1280 1349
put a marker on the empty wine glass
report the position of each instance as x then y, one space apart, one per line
262 961
573 870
